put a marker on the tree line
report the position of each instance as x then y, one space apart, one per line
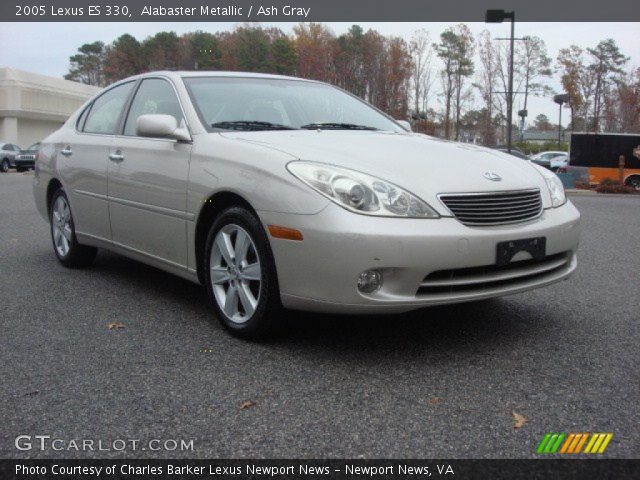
462 95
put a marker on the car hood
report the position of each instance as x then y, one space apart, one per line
424 165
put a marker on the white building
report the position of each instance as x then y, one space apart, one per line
32 105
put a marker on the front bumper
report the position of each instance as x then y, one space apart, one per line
320 273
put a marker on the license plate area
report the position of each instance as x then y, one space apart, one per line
537 247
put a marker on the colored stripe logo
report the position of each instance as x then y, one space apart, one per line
573 443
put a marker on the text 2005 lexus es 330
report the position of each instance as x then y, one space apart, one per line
281 192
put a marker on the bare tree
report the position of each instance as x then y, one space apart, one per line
531 65
421 78
485 84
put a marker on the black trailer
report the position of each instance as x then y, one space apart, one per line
595 156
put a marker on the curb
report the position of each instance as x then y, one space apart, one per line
591 193
577 191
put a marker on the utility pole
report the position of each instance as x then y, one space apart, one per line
510 104
499 16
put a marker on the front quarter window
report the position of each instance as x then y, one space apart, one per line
155 96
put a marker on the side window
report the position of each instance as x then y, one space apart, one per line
106 110
6 147
154 96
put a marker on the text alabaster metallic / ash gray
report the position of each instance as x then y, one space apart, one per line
143 198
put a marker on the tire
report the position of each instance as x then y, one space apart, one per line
63 234
634 182
241 282
4 166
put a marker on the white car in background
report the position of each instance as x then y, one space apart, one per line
544 158
282 192
559 162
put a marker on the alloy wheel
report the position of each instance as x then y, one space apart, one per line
235 273
61 225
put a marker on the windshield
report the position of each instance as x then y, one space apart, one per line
236 103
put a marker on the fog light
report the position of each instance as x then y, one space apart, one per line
369 281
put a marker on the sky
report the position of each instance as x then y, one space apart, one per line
48 52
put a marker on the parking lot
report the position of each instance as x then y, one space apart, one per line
437 383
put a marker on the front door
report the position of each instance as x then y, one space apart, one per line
148 181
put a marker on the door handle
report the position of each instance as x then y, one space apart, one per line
116 157
67 152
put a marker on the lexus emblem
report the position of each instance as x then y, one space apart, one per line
494 177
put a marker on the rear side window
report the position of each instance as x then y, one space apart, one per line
106 110
155 96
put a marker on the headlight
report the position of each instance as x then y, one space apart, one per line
360 192
554 184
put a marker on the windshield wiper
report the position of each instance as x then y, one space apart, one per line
336 126
251 125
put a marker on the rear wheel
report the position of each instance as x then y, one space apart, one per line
65 245
240 275
4 166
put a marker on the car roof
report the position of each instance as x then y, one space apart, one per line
219 74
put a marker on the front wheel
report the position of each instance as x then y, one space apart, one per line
63 234
240 275
4 166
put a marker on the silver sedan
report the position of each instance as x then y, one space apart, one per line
278 192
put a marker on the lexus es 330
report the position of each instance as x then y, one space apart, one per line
280 192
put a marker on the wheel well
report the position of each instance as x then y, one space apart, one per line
54 185
212 207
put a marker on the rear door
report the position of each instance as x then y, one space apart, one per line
83 158
148 180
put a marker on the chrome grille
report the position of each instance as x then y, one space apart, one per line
494 208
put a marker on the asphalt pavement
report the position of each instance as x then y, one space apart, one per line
443 382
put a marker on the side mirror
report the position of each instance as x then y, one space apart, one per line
406 125
161 126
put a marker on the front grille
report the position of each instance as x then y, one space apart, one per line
26 157
472 279
495 208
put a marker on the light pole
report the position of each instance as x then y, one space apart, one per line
560 99
499 16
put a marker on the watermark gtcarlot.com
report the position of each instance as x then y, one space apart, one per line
49 443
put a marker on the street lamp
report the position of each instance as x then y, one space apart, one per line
560 99
499 16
